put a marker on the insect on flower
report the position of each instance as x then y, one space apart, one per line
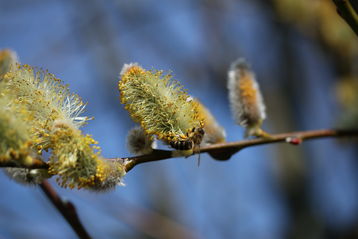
161 106
194 138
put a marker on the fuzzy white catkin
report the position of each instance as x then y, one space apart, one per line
245 98
27 176
8 60
217 135
214 132
138 142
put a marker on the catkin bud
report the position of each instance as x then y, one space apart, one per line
109 174
245 98
8 59
27 176
161 106
214 133
138 142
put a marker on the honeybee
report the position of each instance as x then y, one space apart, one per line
194 137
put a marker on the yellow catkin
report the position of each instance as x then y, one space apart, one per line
16 143
53 116
161 106
15 137
75 161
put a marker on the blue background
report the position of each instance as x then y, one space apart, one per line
85 43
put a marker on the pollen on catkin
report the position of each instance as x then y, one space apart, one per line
46 99
54 117
108 175
14 132
15 143
161 106
138 142
245 98
74 159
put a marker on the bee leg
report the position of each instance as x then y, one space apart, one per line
196 149
198 160
173 144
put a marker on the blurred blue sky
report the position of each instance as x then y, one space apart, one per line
86 43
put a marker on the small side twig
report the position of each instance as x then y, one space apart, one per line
67 209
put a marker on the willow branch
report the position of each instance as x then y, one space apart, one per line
67 210
221 151
347 9
224 151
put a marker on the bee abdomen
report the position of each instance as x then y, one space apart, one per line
182 144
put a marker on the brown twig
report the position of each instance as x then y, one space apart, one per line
67 209
225 150
149 222
221 151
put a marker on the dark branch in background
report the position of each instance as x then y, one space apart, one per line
67 210
348 10
150 222
225 150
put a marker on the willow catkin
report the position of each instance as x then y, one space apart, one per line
138 142
161 106
245 98
8 60
53 115
214 133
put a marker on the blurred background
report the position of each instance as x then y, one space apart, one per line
305 59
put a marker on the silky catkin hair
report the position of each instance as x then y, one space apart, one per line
214 133
8 60
246 101
160 104
50 120
138 142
